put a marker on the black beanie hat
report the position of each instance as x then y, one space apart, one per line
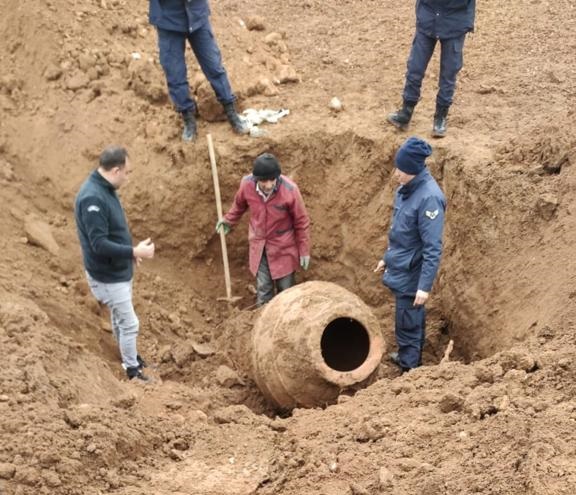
411 157
266 167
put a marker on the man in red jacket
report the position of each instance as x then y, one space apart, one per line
279 231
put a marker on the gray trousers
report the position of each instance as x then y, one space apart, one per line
265 284
125 324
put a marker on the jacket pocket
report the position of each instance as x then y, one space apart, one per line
400 259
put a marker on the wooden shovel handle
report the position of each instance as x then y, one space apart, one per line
219 211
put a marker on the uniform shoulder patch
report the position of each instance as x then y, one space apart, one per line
432 214
93 208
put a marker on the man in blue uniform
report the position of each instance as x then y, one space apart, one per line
177 21
446 21
108 253
414 249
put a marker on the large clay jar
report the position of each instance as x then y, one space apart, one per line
311 341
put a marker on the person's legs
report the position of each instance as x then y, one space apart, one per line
410 324
120 304
172 46
420 54
451 62
125 324
285 282
209 58
264 282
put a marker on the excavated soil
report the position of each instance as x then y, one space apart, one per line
497 417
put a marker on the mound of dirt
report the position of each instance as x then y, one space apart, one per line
496 417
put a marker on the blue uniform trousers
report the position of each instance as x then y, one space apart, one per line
410 331
172 47
451 60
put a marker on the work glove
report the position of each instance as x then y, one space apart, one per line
221 224
305 262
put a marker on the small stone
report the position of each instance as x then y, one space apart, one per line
124 401
197 416
175 455
335 104
564 363
165 354
255 23
7 471
546 206
358 489
77 82
385 477
287 74
451 402
227 377
182 353
91 448
51 479
266 87
4 398
272 38
52 73
502 403
39 234
85 61
203 350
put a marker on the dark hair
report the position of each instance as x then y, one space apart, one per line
266 167
113 156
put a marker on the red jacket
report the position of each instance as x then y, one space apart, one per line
281 225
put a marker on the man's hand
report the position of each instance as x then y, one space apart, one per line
144 250
221 224
305 262
421 298
380 266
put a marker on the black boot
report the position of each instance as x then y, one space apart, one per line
135 372
402 117
395 358
440 117
189 131
141 362
238 124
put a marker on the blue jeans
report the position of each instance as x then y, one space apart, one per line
125 324
265 284
410 331
172 47
451 61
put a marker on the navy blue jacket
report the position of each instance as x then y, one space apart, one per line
415 237
184 16
103 231
445 19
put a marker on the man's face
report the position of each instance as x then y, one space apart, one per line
267 185
120 174
402 177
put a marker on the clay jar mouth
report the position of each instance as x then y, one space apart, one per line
349 352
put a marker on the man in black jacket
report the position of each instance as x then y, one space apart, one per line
447 21
108 253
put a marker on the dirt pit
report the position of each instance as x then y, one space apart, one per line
496 418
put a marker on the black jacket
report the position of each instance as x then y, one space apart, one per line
103 231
